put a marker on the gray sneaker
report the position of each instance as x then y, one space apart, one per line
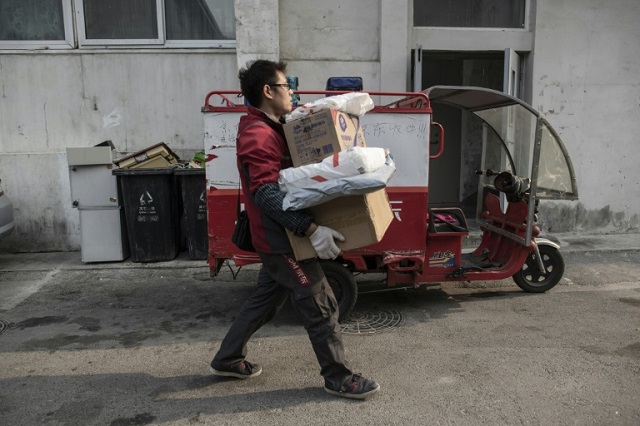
355 387
244 370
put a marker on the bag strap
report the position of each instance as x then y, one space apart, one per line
249 192
253 123
238 205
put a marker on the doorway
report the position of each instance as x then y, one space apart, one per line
452 178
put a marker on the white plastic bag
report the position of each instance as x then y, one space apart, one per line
301 197
353 161
354 103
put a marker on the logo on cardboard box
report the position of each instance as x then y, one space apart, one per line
343 122
346 140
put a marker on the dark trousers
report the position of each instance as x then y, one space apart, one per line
279 277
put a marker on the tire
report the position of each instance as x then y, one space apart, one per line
343 285
529 277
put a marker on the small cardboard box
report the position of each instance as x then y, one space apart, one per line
319 135
362 219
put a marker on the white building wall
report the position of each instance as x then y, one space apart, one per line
332 38
53 100
257 31
585 80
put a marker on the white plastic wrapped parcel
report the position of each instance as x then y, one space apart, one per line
354 103
350 162
346 173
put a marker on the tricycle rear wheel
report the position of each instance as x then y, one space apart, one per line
530 279
343 284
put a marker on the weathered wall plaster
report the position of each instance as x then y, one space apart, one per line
53 100
585 81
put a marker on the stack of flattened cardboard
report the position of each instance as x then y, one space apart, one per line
155 156
362 219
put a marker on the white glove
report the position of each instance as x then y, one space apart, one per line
323 242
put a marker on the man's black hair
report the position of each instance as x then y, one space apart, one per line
256 75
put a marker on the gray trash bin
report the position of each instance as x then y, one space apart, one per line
95 193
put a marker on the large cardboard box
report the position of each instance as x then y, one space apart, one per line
362 219
319 135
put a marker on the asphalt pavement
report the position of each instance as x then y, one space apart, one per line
125 343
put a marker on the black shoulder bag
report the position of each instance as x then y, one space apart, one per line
241 233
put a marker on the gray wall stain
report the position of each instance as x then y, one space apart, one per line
559 217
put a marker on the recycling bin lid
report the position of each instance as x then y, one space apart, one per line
190 171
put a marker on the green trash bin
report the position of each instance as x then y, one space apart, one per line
151 213
193 195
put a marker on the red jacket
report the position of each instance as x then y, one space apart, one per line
262 150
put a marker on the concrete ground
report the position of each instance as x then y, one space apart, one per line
129 344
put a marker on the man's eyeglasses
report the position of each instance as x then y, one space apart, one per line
285 85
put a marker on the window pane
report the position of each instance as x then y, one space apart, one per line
31 20
120 19
199 19
469 13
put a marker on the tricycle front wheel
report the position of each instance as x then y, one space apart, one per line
530 279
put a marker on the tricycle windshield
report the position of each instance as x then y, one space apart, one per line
515 129
555 174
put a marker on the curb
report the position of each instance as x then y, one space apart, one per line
71 260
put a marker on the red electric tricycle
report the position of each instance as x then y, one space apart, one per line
522 162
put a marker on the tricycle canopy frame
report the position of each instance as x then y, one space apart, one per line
527 146
550 168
